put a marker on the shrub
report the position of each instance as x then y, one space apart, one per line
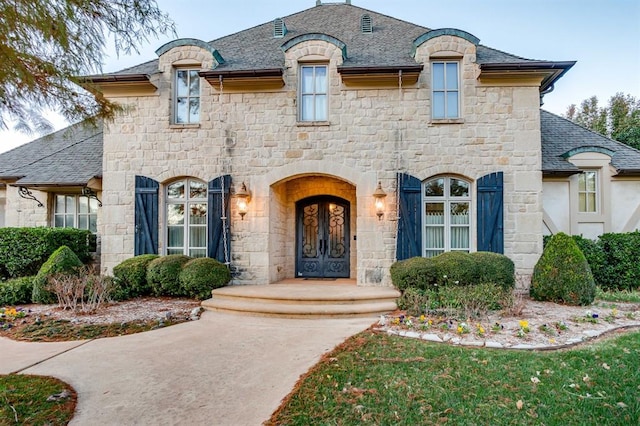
562 274
494 268
455 268
475 300
61 261
24 250
416 272
84 291
620 267
415 301
199 276
163 275
130 277
16 291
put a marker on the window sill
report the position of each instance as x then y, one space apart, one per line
313 123
185 126
447 121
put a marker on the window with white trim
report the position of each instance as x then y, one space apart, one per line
447 215
588 191
187 96
313 92
445 83
186 217
75 211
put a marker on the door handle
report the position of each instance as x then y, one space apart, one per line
323 247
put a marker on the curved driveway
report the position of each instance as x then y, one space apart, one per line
221 370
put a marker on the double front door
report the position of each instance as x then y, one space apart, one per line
322 237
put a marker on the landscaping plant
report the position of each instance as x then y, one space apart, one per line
84 291
62 261
130 277
163 275
16 291
199 276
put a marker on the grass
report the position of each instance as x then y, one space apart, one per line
626 296
23 401
379 379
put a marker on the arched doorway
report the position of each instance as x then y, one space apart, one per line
322 237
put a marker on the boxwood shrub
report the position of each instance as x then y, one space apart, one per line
562 274
24 250
494 268
416 272
16 291
130 277
63 260
199 276
163 275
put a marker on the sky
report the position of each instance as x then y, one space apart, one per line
603 36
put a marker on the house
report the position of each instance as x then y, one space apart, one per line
327 144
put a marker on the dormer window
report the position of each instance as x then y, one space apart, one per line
313 92
445 102
187 99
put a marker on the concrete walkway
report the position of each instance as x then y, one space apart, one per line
221 370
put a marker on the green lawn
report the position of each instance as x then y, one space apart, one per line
23 401
378 379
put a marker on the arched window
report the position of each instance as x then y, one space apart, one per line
186 217
447 215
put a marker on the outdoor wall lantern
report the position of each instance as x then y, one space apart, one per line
243 200
379 196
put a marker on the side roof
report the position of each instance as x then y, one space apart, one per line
390 44
562 138
68 157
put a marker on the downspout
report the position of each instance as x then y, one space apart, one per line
546 91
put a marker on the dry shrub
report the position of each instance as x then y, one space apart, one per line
84 292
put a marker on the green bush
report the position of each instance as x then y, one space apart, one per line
16 291
620 267
24 250
455 268
163 275
562 274
494 268
416 272
130 277
199 276
61 261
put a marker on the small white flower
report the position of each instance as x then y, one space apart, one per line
535 380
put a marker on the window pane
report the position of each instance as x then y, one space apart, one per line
69 221
83 222
59 204
198 214
452 76
591 181
459 237
582 202
176 190
321 108
197 189
70 204
175 214
432 253
93 205
181 110
591 202
176 237
435 237
58 221
83 205
306 114
459 213
438 76
452 104
182 83
93 223
459 188
438 104
434 188
307 79
194 110
197 236
582 185
198 252
435 213
194 83
175 251
321 79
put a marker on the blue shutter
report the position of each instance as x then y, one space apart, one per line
490 213
409 243
146 216
217 219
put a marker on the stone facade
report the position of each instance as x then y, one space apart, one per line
371 134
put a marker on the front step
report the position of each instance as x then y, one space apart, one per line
304 300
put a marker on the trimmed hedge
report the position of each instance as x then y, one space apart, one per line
562 274
199 276
16 291
64 261
130 277
24 250
453 268
163 275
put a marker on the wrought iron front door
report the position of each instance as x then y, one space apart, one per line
322 238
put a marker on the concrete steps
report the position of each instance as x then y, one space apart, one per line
304 300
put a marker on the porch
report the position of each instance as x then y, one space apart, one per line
304 298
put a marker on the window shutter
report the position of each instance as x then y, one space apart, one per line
490 213
146 216
409 242
217 217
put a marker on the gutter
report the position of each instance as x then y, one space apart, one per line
380 69
270 72
126 78
559 68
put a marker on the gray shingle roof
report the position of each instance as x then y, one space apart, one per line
68 157
560 136
390 43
